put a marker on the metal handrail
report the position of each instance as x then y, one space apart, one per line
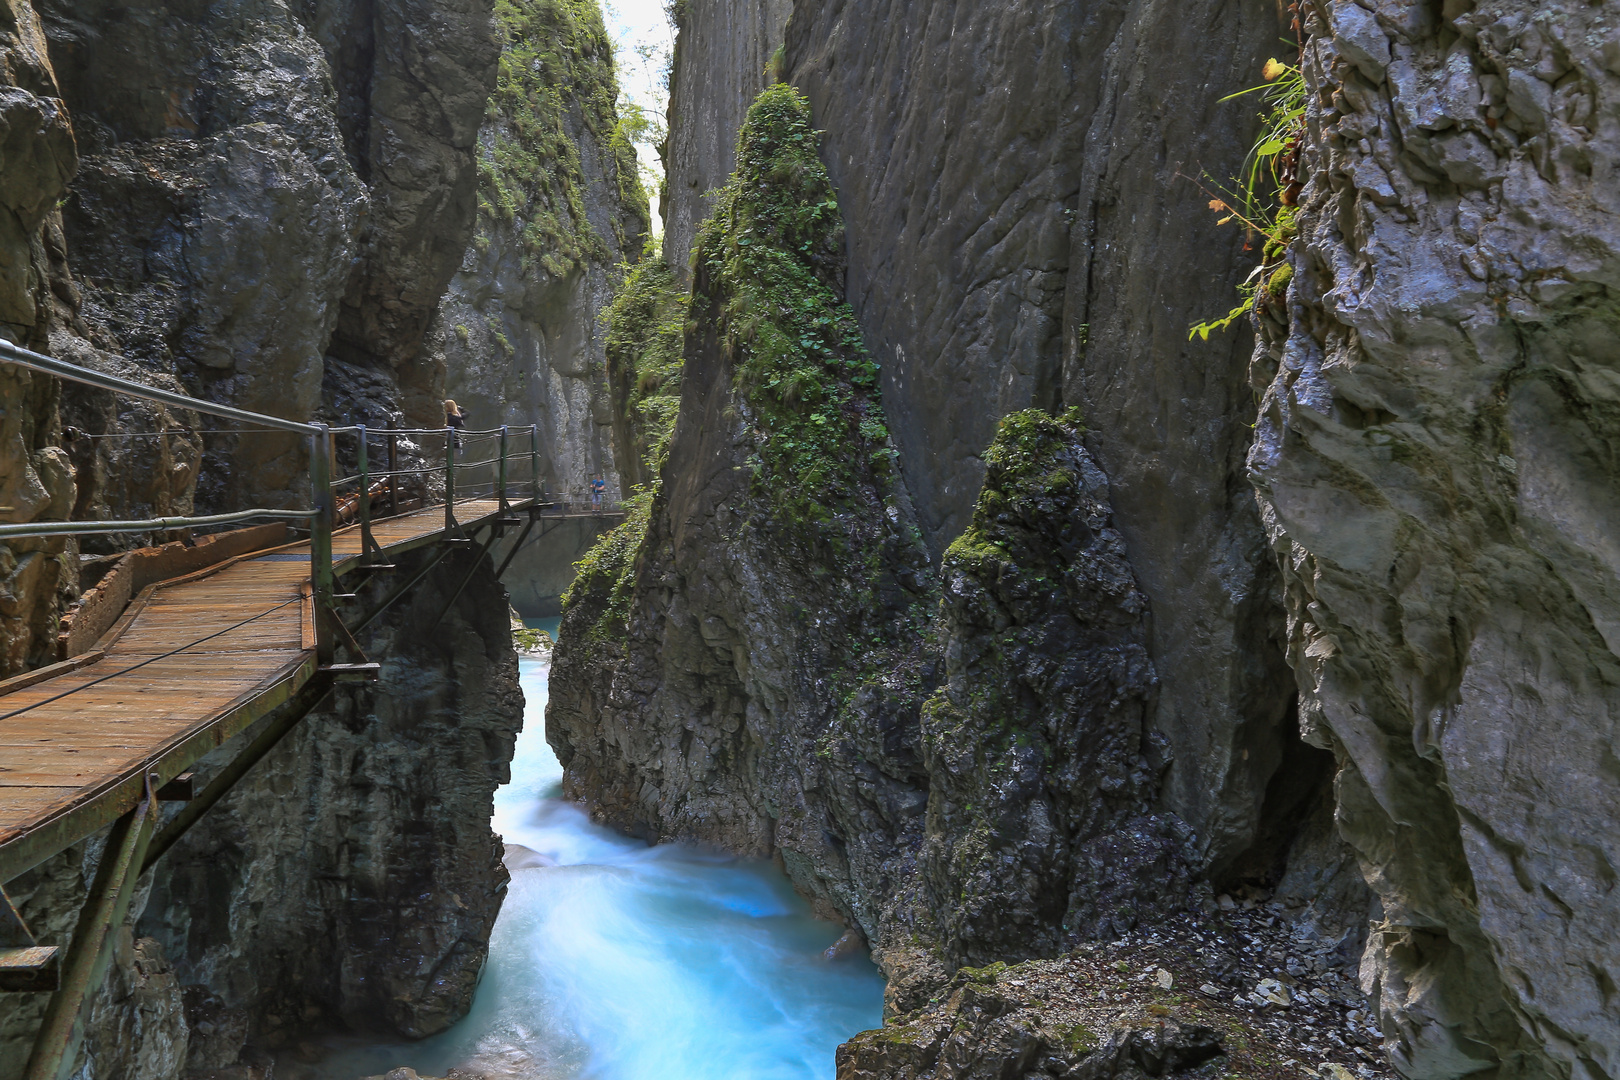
323 489
33 361
162 524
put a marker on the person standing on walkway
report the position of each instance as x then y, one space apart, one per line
598 488
454 418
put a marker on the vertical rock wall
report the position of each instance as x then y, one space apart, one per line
519 333
1025 229
1436 459
37 481
722 48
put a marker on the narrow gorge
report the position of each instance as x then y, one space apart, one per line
976 654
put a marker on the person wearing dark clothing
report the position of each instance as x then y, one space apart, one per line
454 418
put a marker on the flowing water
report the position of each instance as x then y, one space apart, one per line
612 960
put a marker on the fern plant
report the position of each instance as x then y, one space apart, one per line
1263 199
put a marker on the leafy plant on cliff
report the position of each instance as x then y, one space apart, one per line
1262 200
554 54
646 331
771 257
607 572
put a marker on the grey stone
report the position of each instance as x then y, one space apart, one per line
1434 460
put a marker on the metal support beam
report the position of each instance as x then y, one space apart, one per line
320 542
91 949
516 547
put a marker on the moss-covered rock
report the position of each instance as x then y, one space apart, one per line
1042 773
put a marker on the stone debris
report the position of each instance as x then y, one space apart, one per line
1272 1001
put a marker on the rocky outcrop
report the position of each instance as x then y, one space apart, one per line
261 186
751 660
722 51
1041 775
349 881
519 333
1025 230
1436 460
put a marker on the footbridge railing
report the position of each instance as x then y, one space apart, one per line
334 502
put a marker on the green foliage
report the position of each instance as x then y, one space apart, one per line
555 53
646 332
1262 200
772 257
531 640
607 572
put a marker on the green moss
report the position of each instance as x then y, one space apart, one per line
606 574
555 55
646 332
529 640
1021 467
1081 1040
986 974
771 256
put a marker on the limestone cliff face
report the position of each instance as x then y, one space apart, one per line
760 659
350 881
519 332
37 481
1436 464
1024 230
722 49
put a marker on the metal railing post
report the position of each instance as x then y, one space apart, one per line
449 478
500 471
534 461
367 543
393 469
320 540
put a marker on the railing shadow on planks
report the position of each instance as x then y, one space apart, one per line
127 796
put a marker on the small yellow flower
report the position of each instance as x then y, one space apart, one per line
1216 205
1274 70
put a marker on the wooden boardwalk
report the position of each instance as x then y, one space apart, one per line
75 749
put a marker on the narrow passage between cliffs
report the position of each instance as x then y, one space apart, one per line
612 960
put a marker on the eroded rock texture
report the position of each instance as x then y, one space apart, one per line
261 185
519 332
1025 230
751 662
1436 459
37 481
349 881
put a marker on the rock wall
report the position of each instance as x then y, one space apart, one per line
1436 461
519 332
261 185
722 50
760 658
37 483
1025 229
349 881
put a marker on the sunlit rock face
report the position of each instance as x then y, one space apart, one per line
519 333
1436 464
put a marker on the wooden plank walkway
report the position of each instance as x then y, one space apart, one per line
75 749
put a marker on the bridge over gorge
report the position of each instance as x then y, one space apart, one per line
242 627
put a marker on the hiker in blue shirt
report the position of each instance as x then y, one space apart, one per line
598 487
